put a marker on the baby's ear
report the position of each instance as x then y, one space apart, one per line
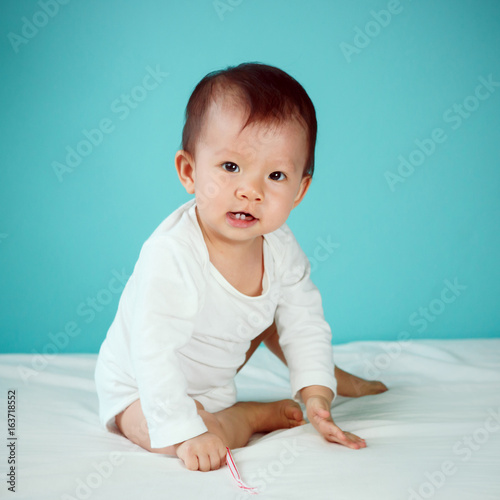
304 186
184 164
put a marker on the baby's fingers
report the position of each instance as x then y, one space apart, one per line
205 463
336 435
356 439
216 457
190 461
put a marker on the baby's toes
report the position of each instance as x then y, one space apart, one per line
293 412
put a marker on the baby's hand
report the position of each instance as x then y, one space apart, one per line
318 413
204 452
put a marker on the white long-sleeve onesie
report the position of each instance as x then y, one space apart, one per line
181 330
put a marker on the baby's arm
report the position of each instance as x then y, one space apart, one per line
163 310
318 400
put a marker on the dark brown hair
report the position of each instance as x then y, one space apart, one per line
270 94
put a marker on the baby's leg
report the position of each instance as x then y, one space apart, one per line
234 425
132 424
347 384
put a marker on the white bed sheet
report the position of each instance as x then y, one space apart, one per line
434 434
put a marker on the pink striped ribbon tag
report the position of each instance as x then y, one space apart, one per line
236 474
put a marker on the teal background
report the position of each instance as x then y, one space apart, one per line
392 250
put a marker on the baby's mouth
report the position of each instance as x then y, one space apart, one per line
241 216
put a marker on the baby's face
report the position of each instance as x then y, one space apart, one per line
247 181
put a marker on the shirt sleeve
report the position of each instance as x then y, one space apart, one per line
167 302
304 335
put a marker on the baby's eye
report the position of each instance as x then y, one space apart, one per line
229 166
277 176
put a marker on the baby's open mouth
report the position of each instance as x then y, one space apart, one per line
242 216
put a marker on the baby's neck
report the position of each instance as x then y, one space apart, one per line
241 265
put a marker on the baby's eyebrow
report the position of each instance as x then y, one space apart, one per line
283 163
227 152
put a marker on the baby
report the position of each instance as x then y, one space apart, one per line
222 274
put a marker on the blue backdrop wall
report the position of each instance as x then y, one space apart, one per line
401 223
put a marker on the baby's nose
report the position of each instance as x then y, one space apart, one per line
251 191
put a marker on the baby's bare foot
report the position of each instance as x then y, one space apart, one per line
352 386
367 388
268 417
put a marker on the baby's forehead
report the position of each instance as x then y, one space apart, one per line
227 132
234 113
